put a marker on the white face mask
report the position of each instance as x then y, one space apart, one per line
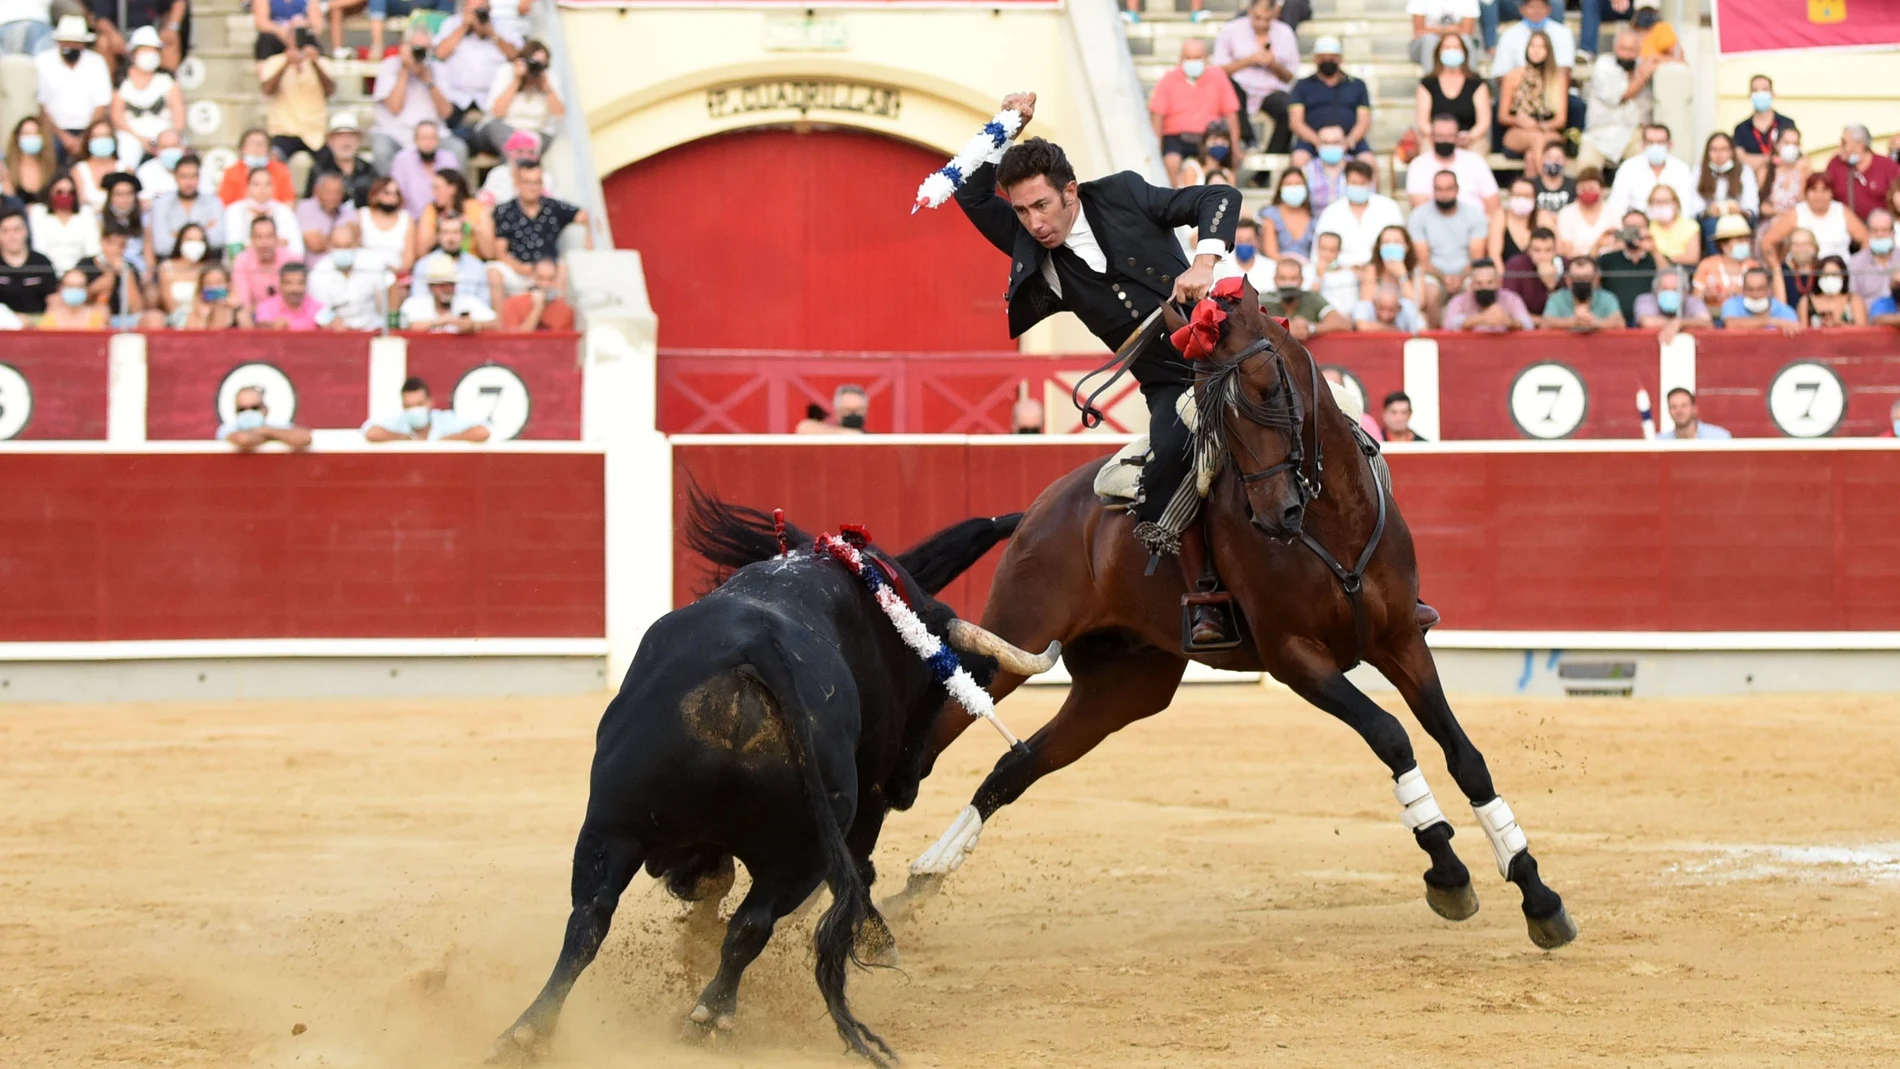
146 60
192 250
1832 284
1663 213
1522 206
1755 305
417 417
1790 153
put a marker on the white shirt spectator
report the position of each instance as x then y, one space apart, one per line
499 186
1260 274
1340 287
70 94
64 243
1635 180
1357 235
1612 121
528 110
357 296
155 180
230 427
1574 232
442 422
1513 41
470 69
1475 181
390 243
512 19
1443 15
237 225
420 308
417 103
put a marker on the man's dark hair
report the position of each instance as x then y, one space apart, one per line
1682 391
11 213
1032 158
1575 261
1590 174
1394 398
1444 116
1543 233
1248 224
189 157
414 385
1762 271
1482 262
293 268
263 220
1360 168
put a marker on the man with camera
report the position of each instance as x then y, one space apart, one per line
473 52
297 85
523 99
408 93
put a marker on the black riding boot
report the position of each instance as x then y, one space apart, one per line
1206 626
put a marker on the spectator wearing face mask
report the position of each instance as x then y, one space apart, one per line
101 159
1395 260
147 101
1473 180
176 283
63 228
1211 160
1026 417
1628 271
1622 102
212 309
1359 216
1867 270
1727 187
1555 190
1448 234
75 308
414 167
1892 430
1286 224
251 425
1329 97
1758 137
1583 222
1677 237
438 308
523 100
1656 167
75 86
157 176
257 204
1246 261
1858 175
1261 55
1186 101
1307 313
1756 308
1537 272
1831 304
1451 88
1515 41
1686 421
31 160
254 155
1668 308
185 204
421 421
851 404
1584 305
121 213
1719 276
541 308
1325 173
1485 305
1511 229
1786 177
352 282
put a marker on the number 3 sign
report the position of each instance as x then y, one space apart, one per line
1806 399
1548 401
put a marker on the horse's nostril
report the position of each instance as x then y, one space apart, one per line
1292 515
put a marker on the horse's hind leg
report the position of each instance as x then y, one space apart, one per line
603 866
1313 676
1407 662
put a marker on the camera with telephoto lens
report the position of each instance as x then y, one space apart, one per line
536 67
306 39
1629 235
481 14
418 53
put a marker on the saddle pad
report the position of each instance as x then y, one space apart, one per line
1118 481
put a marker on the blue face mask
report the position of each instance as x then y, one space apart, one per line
1193 68
1392 252
255 162
1761 100
214 294
1669 301
31 144
103 146
1657 155
1453 59
73 295
417 417
1358 194
1331 154
1881 246
344 259
249 420
1738 251
1537 25
1243 250
169 157
1219 153
1293 196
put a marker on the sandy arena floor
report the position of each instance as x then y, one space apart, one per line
1227 884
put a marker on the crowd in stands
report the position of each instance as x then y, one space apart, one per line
1605 226
108 221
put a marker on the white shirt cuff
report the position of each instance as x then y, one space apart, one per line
1210 247
996 154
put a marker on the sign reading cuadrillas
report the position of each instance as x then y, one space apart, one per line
804 98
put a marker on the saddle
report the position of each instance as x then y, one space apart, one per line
1118 480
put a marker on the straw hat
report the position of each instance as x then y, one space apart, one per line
1731 226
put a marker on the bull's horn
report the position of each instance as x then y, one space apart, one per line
970 638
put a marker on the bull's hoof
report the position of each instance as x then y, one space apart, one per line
520 1045
1453 904
710 1023
1553 931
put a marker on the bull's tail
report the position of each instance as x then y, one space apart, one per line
937 560
851 905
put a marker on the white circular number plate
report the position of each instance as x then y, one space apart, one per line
1807 400
191 74
496 396
16 402
280 397
1350 383
204 117
1548 401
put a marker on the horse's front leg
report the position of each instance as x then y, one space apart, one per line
1309 669
1407 662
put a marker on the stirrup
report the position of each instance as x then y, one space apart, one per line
1223 602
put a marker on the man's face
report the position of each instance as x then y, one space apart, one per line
1542 250
1626 46
1667 281
851 403
13 235
1398 416
344 144
1332 135
255 144
1193 48
1286 275
249 400
1262 15
427 139
443 292
546 274
1681 409
1326 247
1755 285
1046 212
343 237
1444 130
415 399
329 193
187 176
1385 305
168 138
1851 144
1444 189
1880 226
1653 136
264 240
1760 85
448 235
1362 182
1484 278
1582 271
259 187
528 184
292 285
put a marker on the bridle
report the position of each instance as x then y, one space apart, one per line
1283 409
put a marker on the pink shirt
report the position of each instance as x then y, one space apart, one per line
251 281
1237 40
1187 107
303 317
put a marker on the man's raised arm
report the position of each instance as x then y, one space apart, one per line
993 216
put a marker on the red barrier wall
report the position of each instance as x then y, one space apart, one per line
548 365
66 376
329 372
1734 369
1639 540
1476 373
331 545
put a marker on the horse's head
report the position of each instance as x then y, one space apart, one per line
1252 409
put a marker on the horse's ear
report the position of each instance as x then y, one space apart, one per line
1171 317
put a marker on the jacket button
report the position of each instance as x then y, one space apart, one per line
1167 279
1129 304
1151 270
1019 268
1134 315
1131 261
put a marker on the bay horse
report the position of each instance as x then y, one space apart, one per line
1303 530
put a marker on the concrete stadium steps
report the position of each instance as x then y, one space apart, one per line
224 37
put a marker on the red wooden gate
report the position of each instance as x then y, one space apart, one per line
777 239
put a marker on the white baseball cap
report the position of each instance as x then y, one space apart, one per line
145 37
344 120
1327 46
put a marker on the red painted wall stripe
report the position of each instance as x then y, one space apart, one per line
338 545
330 373
67 374
549 366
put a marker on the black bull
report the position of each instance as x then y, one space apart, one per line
775 720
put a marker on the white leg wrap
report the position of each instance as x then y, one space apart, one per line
1500 826
948 852
1421 809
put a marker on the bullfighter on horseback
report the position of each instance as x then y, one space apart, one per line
1106 250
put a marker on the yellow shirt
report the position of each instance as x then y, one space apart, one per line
1661 40
1674 242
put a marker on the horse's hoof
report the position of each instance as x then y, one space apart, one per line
1553 931
518 1046
1453 904
920 888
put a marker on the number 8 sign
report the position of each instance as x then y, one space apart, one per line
1548 401
1806 399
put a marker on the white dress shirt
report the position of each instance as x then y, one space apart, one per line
1635 180
1081 241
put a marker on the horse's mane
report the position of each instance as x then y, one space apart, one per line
1218 388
